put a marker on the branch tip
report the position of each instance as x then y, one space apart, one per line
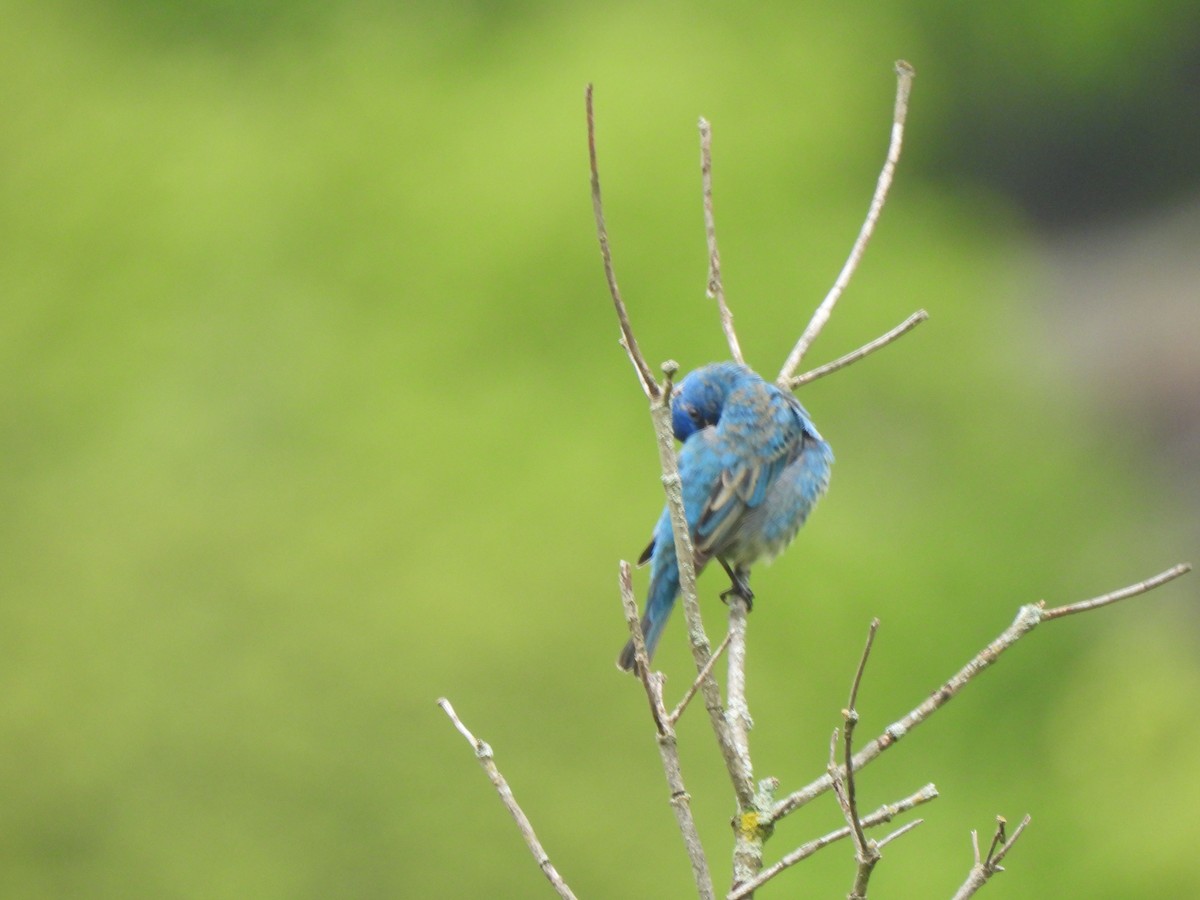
714 288
821 316
855 355
1028 617
483 753
628 340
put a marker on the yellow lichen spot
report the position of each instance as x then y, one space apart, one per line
749 823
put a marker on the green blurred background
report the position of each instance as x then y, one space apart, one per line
313 412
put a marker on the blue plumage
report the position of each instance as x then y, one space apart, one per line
752 467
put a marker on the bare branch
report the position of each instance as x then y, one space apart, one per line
866 852
484 754
1124 593
904 79
1028 618
880 816
998 838
641 660
862 665
748 837
865 350
628 341
986 868
703 674
899 832
737 714
716 291
1003 851
681 802
837 773
668 748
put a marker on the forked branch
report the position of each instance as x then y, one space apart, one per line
904 78
1028 618
988 866
866 852
878 817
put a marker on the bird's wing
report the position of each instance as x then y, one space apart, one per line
759 433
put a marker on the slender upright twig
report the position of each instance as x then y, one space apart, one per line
640 656
904 78
668 747
998 839
1028 618
628 341
989 866
716 290
484 754
866 851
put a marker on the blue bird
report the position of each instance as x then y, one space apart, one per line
752 467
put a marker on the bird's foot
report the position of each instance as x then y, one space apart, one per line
739 585
740 589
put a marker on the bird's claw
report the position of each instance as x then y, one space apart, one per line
740 590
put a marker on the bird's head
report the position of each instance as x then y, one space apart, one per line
700 397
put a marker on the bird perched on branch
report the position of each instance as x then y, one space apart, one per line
752 467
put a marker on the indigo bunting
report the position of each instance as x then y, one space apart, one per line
752 467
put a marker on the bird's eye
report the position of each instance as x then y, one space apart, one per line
694 414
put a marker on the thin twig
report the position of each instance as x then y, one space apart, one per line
837 773
1134 589
902 830
998 838
1003 851
704 673
641 659
880 816
681 800
668 747
628 341
865 350
904 79
986 868
716 290
484 754
1028 618
866 852
862 663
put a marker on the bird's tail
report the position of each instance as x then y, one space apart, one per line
664 588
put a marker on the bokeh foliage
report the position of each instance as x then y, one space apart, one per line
313 412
